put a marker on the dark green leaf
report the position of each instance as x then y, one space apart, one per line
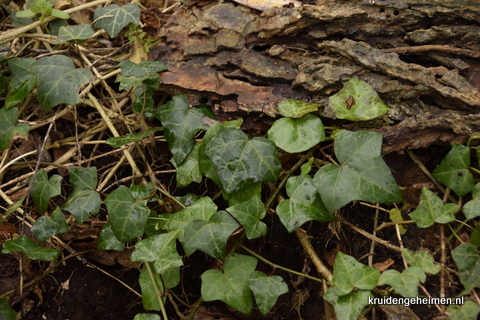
188 171
6 313
203 209
17 95
148 281
243 194
266 290
21 73
142 69
43 189
30 248
45 227
361 175
78 32
240 162
114 18
249 214
467 258
431 209
108 241
8 127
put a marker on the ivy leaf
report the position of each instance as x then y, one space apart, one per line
210 237
205 164
161 249
297 135
349 306
8 129
292 108
108 241
128 215
356 101
431 209
6 313
203 209
467 311
467 258
134 74
475 236
361 175
266 290
304 204
149 294
84 199
349 274
243 194
240 162
116 142
249 214
114 18
231 285
188 171
31 249
146 316
422 259
45 227
405 283
21 71
17 95
181 124
71 33
43 189
59 81
453 170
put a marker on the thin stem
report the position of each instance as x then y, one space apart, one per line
158 292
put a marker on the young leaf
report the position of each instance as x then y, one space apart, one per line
71 33
59 81
349 306
453 170
297 135
8 128
128 215
45 227
304 204
431 209
116 142
84 199
30 248
210 237
467 258
188 171
349 274
467 311
249 214
292 108
114 18
203 209
266 290
356 101
405 283
148 282
240 162
43 189
231 285
422 259
6 313
60 14
160 249
181 124
306 167
361 175
108 241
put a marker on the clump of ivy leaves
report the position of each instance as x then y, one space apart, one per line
239 166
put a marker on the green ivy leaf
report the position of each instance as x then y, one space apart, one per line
108 241
349 274
231 285
422 259
71 33
292 108
405 283
21 71
240 162
243 194
181 124
467 311
146 316
18 94
31 249
203 209
306 167
114 18
453 170
431 209
84 199
149 295
6 313
45 227
475 236
128 215
210 237
43 189
59 81
116 142
304 204
160 249
134 74
361 175
188 171
8 128
266 290
467 258
249 214
349 306
205 164
356 101
60 14
297 135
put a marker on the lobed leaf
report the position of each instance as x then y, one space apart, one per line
31 249
8 128
71 33
422 259
405 283
45 227
249 214
349 306
349 274
431 209
266 290
467 258
42 189
114 18
188 171
467 311
108 241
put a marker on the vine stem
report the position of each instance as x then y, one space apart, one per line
157 289
274 265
